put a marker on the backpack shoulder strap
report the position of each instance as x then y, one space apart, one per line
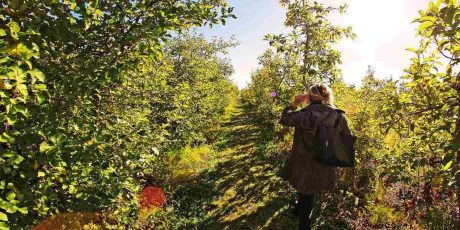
340 111
340 117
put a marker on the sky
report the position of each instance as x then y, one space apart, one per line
383 28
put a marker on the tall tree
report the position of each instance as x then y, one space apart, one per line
56 60
311 40
431 89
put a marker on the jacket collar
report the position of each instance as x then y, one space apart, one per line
319 106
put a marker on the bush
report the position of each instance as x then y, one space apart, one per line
187 163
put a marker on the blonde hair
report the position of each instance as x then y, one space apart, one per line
321 93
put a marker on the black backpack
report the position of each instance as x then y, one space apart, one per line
333 146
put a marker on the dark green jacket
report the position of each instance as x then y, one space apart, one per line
304 173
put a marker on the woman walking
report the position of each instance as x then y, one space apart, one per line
304 173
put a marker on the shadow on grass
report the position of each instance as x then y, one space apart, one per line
243 190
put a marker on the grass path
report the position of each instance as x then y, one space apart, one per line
243 191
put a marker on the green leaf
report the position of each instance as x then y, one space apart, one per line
428 18
4 60
2 32
22 88
10 196
8 207
4 94
37 74
4 226
41 174
438 3
5 138
425 25
40 87
9 154
16 159
21 109
16 74
23 51
29 64
3 216
23 210
4 85
40 97
433 8
14 29
45 147
72 189
448 165
443 43
11 119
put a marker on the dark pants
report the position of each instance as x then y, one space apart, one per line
305 208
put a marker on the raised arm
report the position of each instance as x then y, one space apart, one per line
293 118
290 117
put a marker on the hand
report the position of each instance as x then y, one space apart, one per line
299 99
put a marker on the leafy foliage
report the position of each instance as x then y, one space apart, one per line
307 51
97 101
410 125
91 97
296 60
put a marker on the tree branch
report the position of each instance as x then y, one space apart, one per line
431 108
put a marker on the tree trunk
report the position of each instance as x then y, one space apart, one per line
306 50
457 164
